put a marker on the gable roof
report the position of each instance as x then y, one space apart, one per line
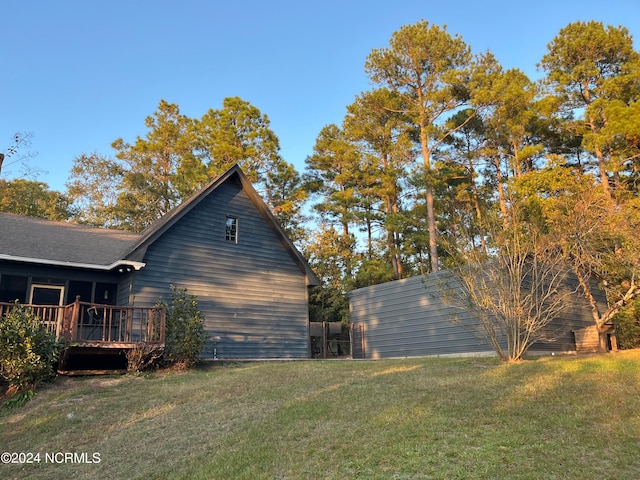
36 240
158 228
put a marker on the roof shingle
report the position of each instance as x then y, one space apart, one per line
37 238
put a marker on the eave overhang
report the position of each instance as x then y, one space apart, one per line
125 265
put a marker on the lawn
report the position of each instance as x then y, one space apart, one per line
548 418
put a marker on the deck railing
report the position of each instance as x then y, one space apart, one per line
84 323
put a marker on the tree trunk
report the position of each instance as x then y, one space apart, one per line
431 220
604 179
501 195
599 155
476 204
431 216
392 241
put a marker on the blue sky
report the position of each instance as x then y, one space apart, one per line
80 74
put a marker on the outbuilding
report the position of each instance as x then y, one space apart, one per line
409 317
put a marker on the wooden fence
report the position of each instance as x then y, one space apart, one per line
332 339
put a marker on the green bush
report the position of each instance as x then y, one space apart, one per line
628 326
19 399
28 353
184 331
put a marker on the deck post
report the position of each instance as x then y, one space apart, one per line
73 325
60 322
157 320
163 321
66 321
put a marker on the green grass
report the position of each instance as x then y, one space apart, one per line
550 418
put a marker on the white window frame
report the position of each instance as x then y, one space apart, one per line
231 230
60 288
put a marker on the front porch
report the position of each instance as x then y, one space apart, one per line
89 329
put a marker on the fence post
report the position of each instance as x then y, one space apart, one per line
356 331
324 339
352 344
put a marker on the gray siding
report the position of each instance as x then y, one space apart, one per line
124 290
405 318
253 293
575 315
408 318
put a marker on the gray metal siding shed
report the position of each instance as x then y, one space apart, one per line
253 293
407 318
575 315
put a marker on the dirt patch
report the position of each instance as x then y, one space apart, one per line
93 382
61 383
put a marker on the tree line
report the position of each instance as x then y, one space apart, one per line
448 159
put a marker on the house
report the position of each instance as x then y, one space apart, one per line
409 317
223 245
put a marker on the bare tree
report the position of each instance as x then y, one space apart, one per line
18 153
601 240
514 293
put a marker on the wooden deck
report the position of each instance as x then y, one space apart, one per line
100 329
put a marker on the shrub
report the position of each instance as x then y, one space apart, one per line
142 357
628 326
28 353
19 399
184 331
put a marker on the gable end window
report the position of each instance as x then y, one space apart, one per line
231 230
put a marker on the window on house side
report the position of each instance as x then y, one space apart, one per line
231 230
